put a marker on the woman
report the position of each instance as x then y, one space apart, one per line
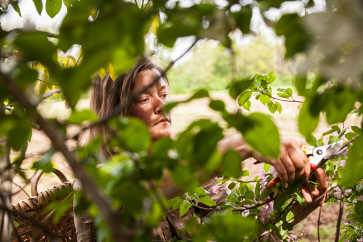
107 95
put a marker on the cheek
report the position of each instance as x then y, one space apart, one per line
141 112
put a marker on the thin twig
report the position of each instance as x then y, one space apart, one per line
280 99
21 188
318 226
243 208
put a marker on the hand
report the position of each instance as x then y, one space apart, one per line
293 163
314 196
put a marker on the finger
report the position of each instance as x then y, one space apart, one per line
314 192
289 167
300 161
282 173
306 195
321 179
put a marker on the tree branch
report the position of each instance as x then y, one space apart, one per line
58 141
280 99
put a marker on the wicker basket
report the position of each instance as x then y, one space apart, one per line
31 207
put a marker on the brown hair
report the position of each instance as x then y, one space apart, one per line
107 95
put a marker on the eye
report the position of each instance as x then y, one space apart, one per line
143 100
164 95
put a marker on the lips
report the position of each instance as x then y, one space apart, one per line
162 120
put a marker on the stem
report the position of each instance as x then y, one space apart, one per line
340 216
243 208
318 226
280 99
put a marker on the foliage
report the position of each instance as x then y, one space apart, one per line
126 186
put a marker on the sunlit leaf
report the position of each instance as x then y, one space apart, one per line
53 7
184 207
78 117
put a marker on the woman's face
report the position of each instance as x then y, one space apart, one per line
149 104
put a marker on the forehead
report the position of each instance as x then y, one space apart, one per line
146 77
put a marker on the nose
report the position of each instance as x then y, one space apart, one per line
158 104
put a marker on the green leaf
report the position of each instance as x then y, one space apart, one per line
279 107
232 164
262 126
53 7
307 123
132 133
217 105
184 207
24 75
206 200
354 165
284 92
238 86
297 38
272 107
43 50
264 99
175 203
20 134
78 117
15 5
244 97
38 5
230 226
300 85
266 167
243 19
356 129
247 105
45 164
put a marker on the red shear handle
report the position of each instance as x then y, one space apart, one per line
277 179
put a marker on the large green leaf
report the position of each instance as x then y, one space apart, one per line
307 122
297 38
53 7
36 46
132 133
352 173
262 135
232 164
20 134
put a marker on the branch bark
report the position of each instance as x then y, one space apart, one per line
58 142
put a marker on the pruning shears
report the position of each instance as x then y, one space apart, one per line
319 155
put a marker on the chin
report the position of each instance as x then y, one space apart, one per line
158 134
